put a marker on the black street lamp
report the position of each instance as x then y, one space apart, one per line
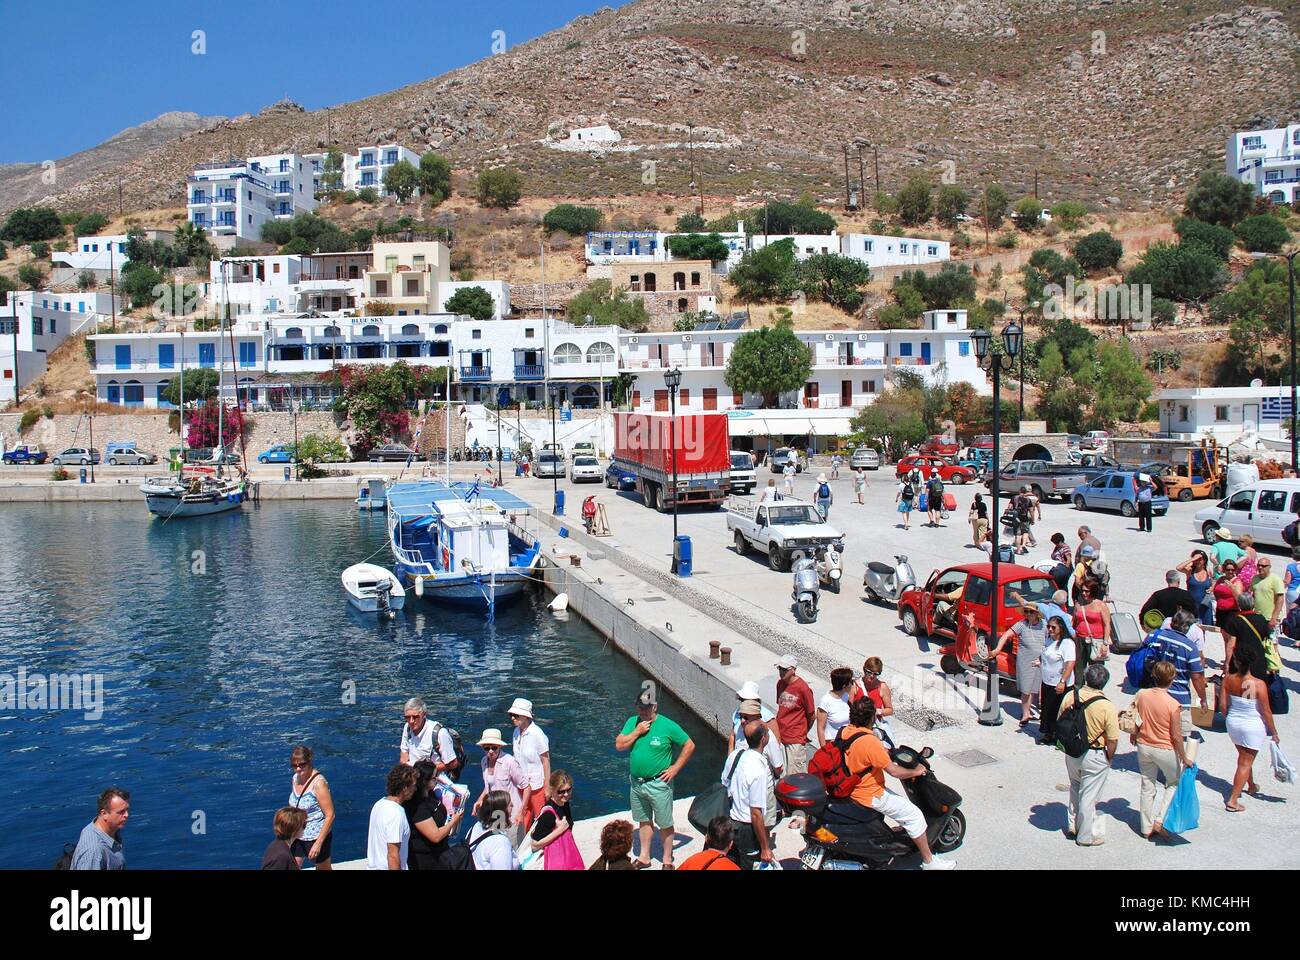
552 390
672 380
996 362
1290 277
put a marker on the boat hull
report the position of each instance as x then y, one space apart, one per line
368 505
174 508
467 591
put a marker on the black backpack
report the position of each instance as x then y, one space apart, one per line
457 748
460 856
1291 533
908 492
65 860
1022 507
1072 727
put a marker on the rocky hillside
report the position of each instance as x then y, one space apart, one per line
25 183
1120 102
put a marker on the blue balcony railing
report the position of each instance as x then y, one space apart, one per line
476 373
529 371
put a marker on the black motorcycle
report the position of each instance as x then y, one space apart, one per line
842 834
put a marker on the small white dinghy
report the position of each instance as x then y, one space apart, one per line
373 589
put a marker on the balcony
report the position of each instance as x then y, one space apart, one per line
475 373
529 371
367 160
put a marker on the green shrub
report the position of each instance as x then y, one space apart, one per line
1264 234
1007 240
1218 240
1068 213
59 473
28 420
572 219
368 195
40 250
502 187
1098 251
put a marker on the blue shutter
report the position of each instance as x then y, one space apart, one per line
207 355
166 355
122 354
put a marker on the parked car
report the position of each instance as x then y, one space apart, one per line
949 472
1044 479
548 464
866 458
983 441
941 446
743 479
783 455
1095 440
130 455
392 452
1262 509
778 529
208 455
82 455
923 614
25 453
280 453
619 478
1117 490
584 448
585 467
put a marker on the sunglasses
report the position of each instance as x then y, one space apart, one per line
491 748
565 792
297 766
413 716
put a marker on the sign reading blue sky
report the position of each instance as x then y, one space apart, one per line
79 71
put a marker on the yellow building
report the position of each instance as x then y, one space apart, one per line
406 275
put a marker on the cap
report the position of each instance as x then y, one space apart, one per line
821 478
1087 550
787 661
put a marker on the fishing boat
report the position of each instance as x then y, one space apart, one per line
199 490
372 492
373 589
460 543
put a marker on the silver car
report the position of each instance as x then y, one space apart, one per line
131 455
783 455
865 457
548 465
81 455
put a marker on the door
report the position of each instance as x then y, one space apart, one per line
846 393
1271 517
661 401
1239 517
925 352
810 394
710 398
1115 492
636 399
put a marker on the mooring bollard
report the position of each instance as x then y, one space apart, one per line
726 656
713 649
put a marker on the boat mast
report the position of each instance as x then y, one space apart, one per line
221 370
181 463
447 432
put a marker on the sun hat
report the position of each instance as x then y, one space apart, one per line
1225 533
491 738
750 708
821 478
1087 550
748 691
521 708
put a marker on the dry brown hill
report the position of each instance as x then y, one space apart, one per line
1121 102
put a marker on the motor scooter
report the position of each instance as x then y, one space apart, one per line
844 835
830 567
807 587
885 583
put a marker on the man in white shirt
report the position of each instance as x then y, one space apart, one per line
390 833
748 787
751 709
788 474
770 493
422 740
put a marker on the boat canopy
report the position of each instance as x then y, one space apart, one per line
410 501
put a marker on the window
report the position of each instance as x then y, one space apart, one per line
122 356
904 349
38 326
1242 500
567 353
166 355
695 278
54 325
529 333
284 167
1117 481
600 352
932 250
440 328
476 335
1252 143
207 354
963 349
1221 412
370 330
410 330
248 354
1182 412
1274 500
275 268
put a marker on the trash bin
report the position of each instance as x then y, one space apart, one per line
83 474
559 503
287 472
682 556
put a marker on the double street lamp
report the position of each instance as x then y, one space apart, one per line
1290 278
673 380
996 361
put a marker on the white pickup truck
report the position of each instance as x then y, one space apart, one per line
778 528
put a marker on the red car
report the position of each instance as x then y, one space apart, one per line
941 446
924 614
949 472
983 442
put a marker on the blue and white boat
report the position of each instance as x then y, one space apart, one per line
460 543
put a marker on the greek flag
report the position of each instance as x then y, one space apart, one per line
472 493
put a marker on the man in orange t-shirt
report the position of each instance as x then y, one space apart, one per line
868 754
717 845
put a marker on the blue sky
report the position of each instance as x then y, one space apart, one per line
75 72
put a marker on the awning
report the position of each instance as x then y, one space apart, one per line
747 427
792 426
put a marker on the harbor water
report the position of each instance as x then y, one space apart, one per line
223 641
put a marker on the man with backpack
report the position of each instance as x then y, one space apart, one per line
934 498
1087 731
906 496
749 781
423 739
866 759
824 497
1022 506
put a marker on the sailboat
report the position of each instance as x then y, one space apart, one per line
460 543
203 488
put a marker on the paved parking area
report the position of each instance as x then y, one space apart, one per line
1013 789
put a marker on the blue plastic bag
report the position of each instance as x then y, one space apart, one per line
1185 811
924 502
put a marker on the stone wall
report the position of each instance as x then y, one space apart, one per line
150 432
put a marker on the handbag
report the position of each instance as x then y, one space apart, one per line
1184 811
713 802
1130 721
1283 772
561 853
1203 717
1279 701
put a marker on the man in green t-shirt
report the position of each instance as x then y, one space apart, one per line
1270 594
651 769
1224 549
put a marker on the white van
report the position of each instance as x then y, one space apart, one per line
1262 510
743 477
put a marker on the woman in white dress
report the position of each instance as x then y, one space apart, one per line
833 707
1030 634
1243 699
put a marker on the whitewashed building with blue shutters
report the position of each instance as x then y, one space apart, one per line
1269 160
1225 413
44 319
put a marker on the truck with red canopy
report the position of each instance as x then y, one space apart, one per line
649 445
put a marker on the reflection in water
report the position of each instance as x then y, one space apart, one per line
225 640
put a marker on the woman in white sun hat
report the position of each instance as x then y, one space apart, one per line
747 691
532 750
503 772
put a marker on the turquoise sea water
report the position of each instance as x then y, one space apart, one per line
225 640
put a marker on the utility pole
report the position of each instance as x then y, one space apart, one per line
846 177
1035 184
876 151
862 179
690 150
112 286
13 323
986 218
119 196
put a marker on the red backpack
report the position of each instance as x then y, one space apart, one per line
830 765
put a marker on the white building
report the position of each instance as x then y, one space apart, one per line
499 290
876 250
44 319
367 167
1269 160
103 255
1225 413
233 199
805 244
849 369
